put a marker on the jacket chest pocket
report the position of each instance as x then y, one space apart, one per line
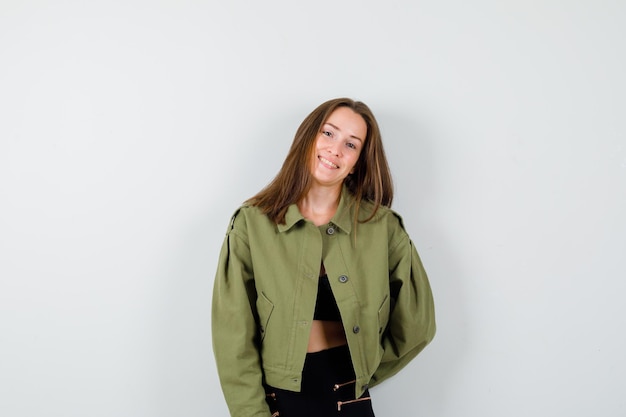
264 308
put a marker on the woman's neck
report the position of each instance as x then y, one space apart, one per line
320 204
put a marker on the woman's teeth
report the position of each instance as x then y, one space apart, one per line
327 162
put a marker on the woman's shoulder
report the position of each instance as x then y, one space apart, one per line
383 214
247 215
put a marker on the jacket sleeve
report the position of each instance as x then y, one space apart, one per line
234 326
411 323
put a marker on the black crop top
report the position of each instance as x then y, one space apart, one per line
325 306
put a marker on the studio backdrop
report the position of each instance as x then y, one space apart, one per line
130 131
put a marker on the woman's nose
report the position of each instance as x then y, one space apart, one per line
335 148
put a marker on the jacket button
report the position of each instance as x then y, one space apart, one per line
343 279
356 329
330 230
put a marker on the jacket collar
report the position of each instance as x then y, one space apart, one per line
342 218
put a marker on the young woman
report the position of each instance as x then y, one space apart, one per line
320 293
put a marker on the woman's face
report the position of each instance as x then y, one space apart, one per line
338 146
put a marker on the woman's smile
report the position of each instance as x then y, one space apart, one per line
327 163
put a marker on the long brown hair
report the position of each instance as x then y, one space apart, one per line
371 179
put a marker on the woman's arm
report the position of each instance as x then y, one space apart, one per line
412 318
234 326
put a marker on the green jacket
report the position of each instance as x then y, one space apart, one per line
265 291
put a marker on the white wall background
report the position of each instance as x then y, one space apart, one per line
129 132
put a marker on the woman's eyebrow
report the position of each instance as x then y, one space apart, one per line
352 136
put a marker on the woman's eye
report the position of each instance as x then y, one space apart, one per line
326 133
351 145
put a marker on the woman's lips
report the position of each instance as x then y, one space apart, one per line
327 163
